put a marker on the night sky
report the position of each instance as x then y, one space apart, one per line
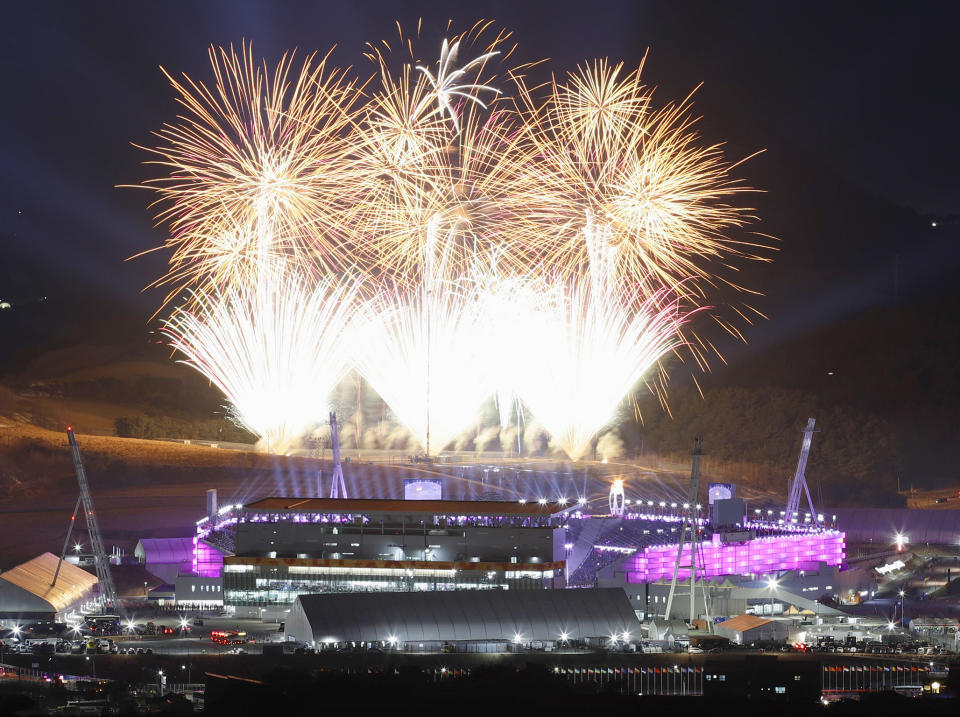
854 105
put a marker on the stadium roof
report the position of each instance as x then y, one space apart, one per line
463 615
165 550
35 580
429 507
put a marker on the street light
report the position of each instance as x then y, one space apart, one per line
772 585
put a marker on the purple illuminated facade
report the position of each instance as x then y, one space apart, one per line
207 560
800 551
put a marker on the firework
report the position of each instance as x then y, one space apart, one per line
265 151
275 349
548 246
510 310
586 350
607 179
419 350
431 156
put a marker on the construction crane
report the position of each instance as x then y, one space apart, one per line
690 524
108 590
800 479
338 486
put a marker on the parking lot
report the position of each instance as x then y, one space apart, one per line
167 635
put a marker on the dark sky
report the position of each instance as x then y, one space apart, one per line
865 91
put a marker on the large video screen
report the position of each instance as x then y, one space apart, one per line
423 489
721 491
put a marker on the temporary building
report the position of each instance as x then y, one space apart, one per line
28 591
165 557
745 629
464 616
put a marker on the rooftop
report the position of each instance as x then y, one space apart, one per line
427 507
744 622
36 577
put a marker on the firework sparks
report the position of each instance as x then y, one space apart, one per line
444 84
419 352
421 170
275 350
586 351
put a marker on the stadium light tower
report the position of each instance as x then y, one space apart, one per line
338 488
690 515
800 479
616 497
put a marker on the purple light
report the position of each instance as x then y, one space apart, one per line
207 561
755 557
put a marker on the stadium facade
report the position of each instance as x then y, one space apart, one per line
282 548
257 559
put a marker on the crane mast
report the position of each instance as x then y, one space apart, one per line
108 590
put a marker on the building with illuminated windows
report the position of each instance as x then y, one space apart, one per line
283 548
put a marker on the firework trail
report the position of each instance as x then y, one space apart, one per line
275 349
